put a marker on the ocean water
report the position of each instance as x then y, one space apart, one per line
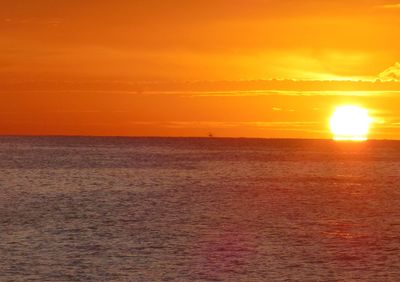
170 209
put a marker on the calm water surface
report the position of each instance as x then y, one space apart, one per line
154 209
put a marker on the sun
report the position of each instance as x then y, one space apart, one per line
350 123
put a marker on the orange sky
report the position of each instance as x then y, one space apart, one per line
186 68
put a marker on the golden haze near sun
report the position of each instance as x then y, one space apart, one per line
350 123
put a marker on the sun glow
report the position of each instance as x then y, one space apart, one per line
350 123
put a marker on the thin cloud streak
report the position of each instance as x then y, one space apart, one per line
390 6
250 93
219 124
386 85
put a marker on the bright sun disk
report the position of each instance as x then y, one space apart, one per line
350 123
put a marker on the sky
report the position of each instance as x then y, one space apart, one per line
254 68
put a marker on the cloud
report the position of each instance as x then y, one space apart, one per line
283 125
192 89
390 6
391 74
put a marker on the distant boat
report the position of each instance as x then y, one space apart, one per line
210 135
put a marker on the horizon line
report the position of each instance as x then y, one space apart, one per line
187 137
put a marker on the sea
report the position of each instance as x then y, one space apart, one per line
198 209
